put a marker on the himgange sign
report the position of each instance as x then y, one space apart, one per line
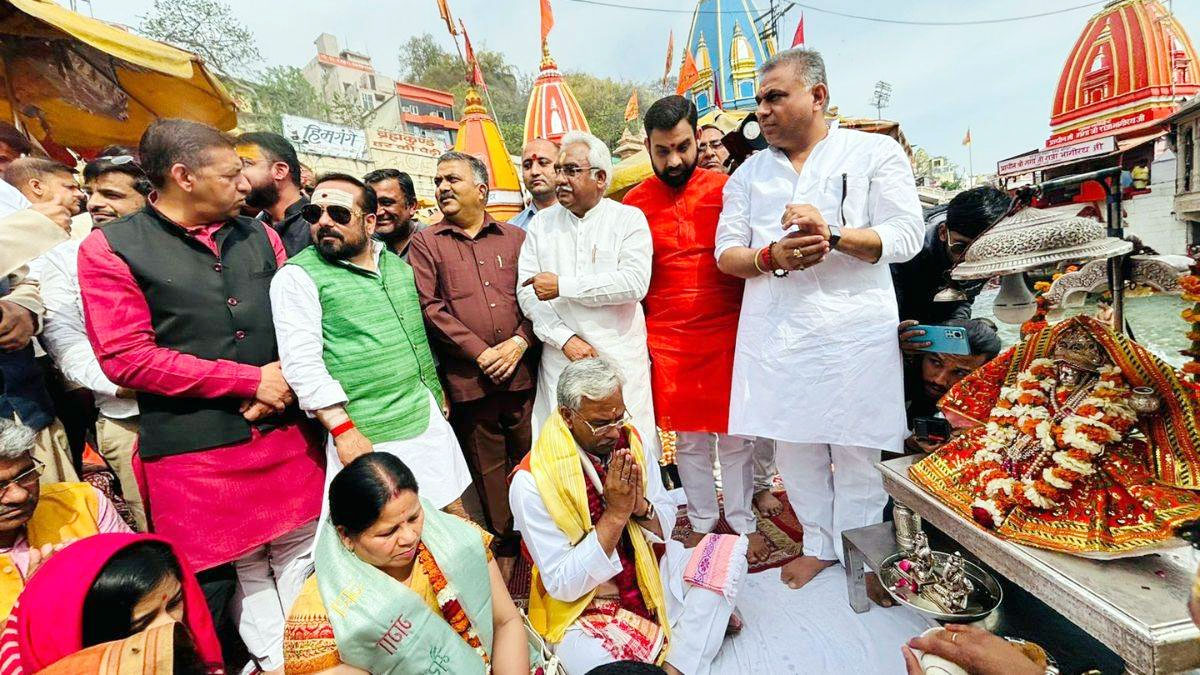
322 138
1054 156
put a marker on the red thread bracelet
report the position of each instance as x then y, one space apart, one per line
341 428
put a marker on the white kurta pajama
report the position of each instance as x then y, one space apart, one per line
699 617
434 455
603 265
818 365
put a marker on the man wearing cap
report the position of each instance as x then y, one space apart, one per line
353 347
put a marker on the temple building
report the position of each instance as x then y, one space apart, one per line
1129 70
552 110
478 135
728 48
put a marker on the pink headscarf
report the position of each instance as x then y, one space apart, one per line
47 622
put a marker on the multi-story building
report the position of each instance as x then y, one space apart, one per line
346 77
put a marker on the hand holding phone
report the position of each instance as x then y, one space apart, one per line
944 339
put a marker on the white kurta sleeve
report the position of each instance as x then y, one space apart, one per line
733 228
64 335
631 278
547 324
893 208
296 309
568 571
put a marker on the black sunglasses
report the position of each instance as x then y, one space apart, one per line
338 214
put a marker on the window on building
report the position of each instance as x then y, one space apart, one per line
1187 152
368 101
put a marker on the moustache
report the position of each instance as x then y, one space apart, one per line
325 232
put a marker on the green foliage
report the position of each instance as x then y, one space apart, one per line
279 90
955 184
207 28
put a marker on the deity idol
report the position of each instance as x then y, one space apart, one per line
1080 440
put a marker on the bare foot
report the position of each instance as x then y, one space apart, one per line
758 551
767 503
876 592
506 565
693 539
735 624
801 570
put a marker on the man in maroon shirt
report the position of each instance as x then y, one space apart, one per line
466 270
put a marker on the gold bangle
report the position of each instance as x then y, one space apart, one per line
757 255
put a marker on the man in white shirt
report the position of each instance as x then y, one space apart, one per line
537 172
811 224
115 187
584 269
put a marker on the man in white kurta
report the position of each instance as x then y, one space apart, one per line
584 269
591 420
812 224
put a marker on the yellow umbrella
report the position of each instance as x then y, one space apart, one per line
76 82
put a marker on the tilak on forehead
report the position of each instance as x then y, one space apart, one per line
248 151
326 196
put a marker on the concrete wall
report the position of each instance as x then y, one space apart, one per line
1152 216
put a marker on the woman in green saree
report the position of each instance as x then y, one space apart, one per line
401 587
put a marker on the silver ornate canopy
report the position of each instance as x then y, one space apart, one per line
1033 238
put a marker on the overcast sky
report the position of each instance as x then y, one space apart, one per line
996 79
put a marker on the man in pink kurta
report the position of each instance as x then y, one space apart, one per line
176 305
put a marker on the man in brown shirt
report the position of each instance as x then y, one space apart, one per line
466 270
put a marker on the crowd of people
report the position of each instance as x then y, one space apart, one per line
289 381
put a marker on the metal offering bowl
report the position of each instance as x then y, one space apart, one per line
985 595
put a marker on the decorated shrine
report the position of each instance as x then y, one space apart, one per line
552 110
478 135
727 47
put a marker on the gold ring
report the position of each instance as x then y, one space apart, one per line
796 253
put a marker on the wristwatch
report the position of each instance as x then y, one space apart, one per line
835 235
649 515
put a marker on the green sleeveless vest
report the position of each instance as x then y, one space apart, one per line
375 343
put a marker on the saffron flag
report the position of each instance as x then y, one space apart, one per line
688 75
444 11
967 138
547 19
474 74
798 39
631 108
670 54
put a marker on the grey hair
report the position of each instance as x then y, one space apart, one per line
808 64
595 378
16 440
478 168
598 154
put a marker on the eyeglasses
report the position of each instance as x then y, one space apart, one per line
712 145
571 170
26 479
605 428
338 214
958 247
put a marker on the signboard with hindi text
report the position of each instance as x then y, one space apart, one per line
391 140
1054 156
315 137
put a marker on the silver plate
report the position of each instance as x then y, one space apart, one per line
984 598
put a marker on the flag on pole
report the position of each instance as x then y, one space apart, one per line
474 74
716 94
547 19
631 108
798 39
444 11
967 138
688 75
670 54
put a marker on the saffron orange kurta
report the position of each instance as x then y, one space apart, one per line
692 307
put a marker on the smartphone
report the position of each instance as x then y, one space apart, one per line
944 339
936 429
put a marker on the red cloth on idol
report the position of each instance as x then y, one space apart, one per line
217 504
692 307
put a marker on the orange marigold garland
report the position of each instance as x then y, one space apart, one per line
452 609
1191 292
1065 450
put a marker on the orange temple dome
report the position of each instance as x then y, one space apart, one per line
1128 70
478 135
553 110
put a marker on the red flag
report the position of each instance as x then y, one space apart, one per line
798 39
670 55
688 75
444 11
547 19
475 75
716 93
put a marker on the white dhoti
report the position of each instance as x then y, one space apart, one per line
699 619
434 457
832 488
694 458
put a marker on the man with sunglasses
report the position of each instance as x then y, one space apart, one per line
270 164
353 345
589 504
176 305
36 520
116 187
584 269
